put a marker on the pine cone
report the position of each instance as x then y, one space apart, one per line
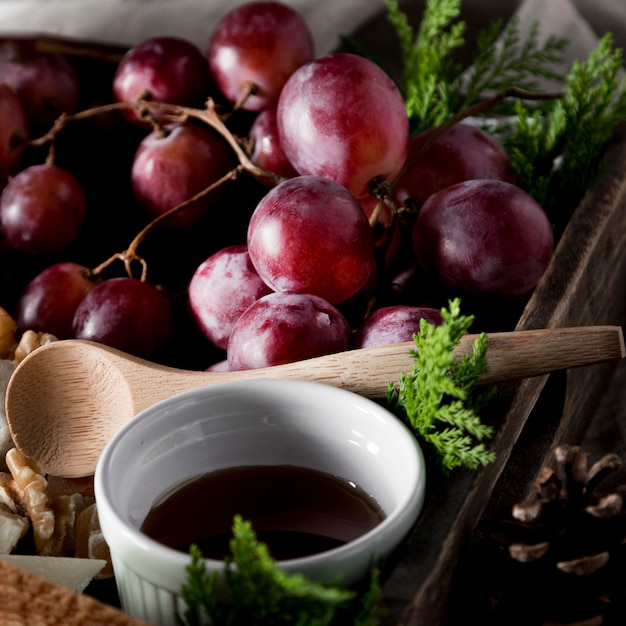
562 552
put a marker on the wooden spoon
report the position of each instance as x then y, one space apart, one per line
66 399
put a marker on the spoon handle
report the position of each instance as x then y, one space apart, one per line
368 371
510 356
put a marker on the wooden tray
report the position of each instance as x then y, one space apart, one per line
585 284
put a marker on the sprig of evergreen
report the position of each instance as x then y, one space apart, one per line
435 87
438 399
261 594
505 59
571 132
428 71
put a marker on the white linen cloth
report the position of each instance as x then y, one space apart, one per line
130 21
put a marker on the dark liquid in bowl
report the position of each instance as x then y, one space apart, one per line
296 511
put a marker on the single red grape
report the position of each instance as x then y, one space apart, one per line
393 324
462 152
42 210
268 152
286 327
221 289
341 116
45 81
310 235
170 168
162 69
259 43
50 299
127 314
484 237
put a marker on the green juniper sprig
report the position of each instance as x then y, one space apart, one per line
428 71
435 86
260 593
570 132
504 59
437 398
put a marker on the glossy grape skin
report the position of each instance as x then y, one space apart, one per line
310 235
221 289
127 314
168 170
49 301
286 327
393 324
163 69
14 129
261 43
484 237
462 152
42 210
45 81
342 117
268 152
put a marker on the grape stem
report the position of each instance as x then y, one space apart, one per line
172 113
381 189
130 255
167 113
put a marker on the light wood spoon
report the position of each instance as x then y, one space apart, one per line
66 399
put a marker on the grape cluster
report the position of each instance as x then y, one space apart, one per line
283 206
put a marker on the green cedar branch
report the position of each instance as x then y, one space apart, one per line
556 151
438 399
259 593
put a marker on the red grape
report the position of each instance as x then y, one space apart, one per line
171 167
127 314
13 129
42 210
484 237
268 152
221 289
49 300
163 69
393 324
310 235
45 81
259 43
286 327
462 152
342 117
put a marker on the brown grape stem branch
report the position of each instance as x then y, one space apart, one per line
382 190
158 113
169 113
130 255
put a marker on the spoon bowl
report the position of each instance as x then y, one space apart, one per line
67 399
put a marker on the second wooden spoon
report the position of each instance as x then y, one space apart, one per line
67 398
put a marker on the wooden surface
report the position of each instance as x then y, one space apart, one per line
585 284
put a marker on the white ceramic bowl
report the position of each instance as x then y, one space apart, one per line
251 423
